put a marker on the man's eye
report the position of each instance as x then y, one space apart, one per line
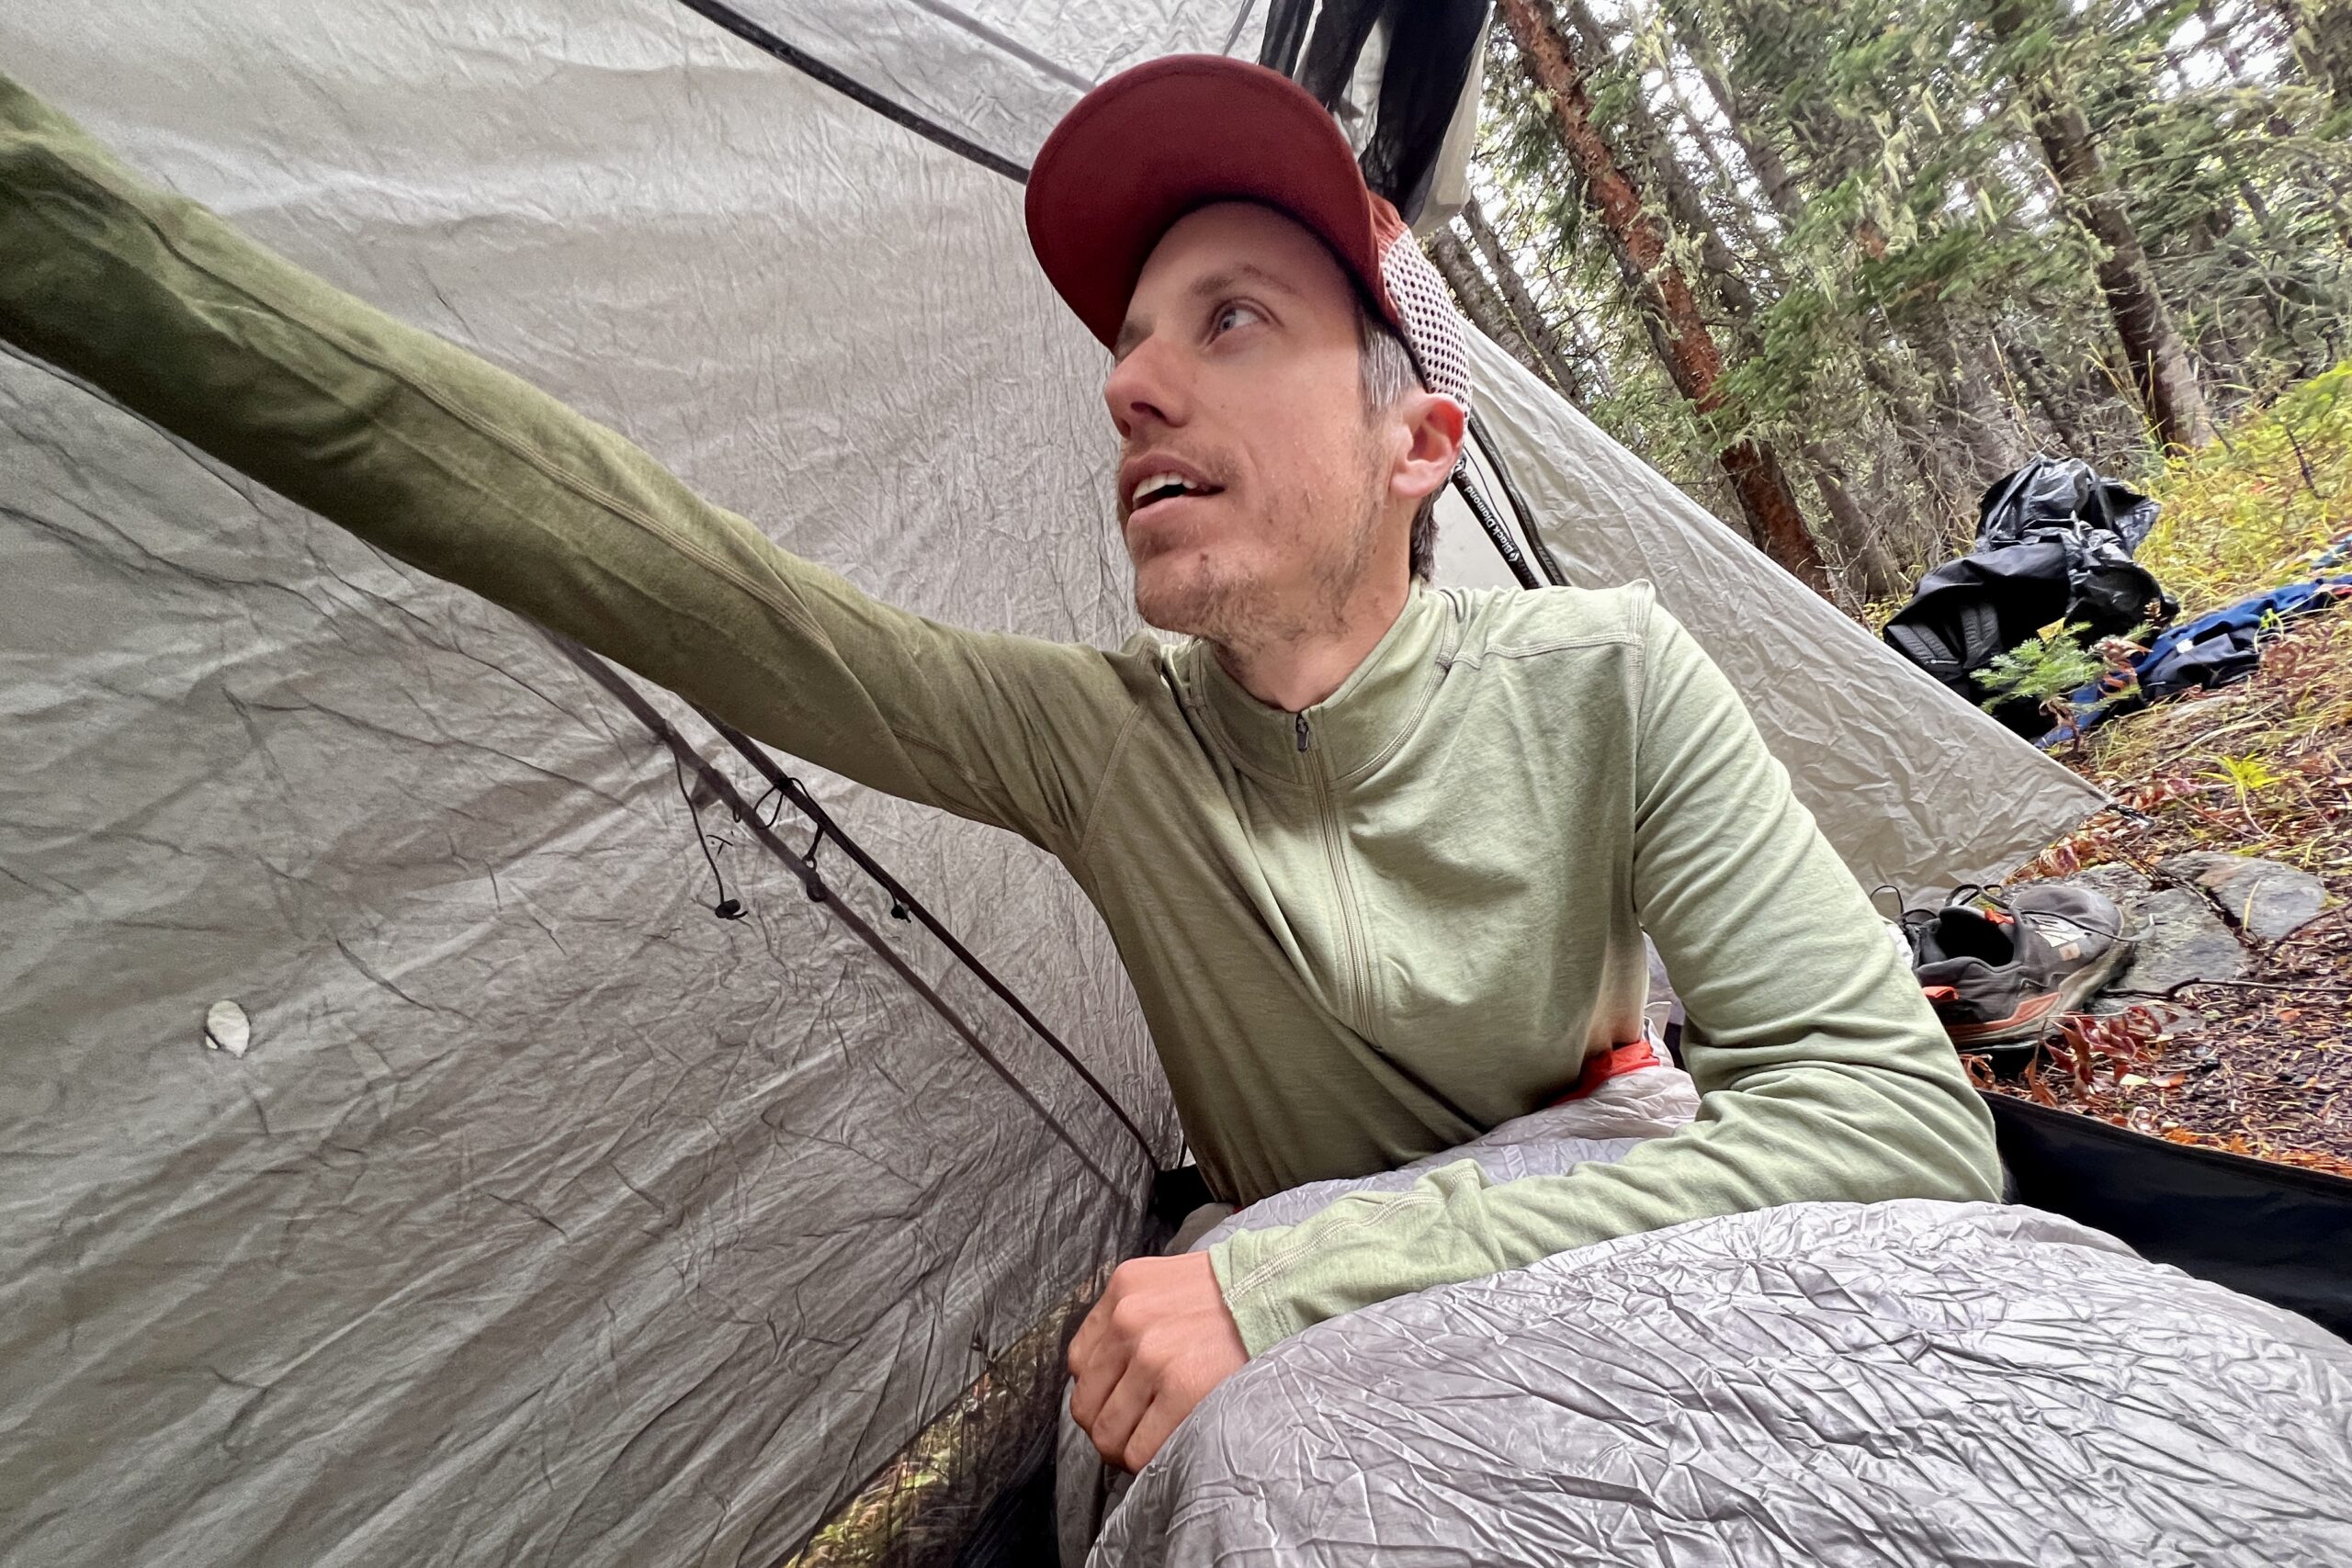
1233 315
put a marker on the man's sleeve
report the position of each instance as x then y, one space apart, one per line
1821 1072
475 476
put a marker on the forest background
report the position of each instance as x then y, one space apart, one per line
1835 268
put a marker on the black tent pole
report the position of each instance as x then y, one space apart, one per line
790 787
1500 535
848 86
1519 508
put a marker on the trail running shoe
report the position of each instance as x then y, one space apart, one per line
1998 976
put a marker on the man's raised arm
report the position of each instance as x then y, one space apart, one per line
475 476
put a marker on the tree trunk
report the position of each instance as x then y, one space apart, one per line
1539 335
1870 573
1898 412
1912 428
1739 209
1479 301
1976 408
1639 238
2220 356
1671 184
1832 162
2160 365
2033 369
1576 333
1772 175
1868 566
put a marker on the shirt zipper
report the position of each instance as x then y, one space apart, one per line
1342 886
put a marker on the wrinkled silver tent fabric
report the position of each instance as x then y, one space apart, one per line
546 1218
1825 1385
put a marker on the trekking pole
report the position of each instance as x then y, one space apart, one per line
1519 508
1504 544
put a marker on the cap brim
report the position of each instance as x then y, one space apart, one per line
1153 143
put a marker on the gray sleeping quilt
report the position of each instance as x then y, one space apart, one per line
1898 1383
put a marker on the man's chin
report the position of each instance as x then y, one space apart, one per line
1190 603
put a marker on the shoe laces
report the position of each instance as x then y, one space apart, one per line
1916 922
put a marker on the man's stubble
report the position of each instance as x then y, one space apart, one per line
1242 614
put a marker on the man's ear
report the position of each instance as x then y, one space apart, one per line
1434 427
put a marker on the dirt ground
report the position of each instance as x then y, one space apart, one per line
2261 1066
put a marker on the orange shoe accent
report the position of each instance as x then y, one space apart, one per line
1964 1033
1940 992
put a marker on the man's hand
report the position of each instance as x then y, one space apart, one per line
1152 1348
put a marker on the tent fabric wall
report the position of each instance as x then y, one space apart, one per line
549 1218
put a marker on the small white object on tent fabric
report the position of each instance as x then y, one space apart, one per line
226 1028
709 1212
693 1210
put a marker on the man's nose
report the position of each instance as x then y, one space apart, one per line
1143 389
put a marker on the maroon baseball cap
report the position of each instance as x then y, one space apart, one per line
1154 142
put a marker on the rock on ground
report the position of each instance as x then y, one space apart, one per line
2267 899
2182 939
2121 882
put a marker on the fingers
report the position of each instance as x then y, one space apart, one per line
1095 1330
1116 1419
1160 1422
1098 1358
1160 1339
1084 1344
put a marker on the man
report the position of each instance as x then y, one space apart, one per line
1286 821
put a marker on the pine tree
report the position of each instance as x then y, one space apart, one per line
2159 364
1895 246
1639 241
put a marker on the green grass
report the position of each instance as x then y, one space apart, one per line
2240 515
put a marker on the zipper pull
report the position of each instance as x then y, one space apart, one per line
1305 737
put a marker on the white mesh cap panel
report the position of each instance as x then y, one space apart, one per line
1431 324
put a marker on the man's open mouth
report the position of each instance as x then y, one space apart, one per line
1153 489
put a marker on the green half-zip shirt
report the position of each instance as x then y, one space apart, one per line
1360 934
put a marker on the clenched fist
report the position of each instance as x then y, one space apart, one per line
1151 1349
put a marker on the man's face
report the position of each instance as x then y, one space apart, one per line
1239 373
